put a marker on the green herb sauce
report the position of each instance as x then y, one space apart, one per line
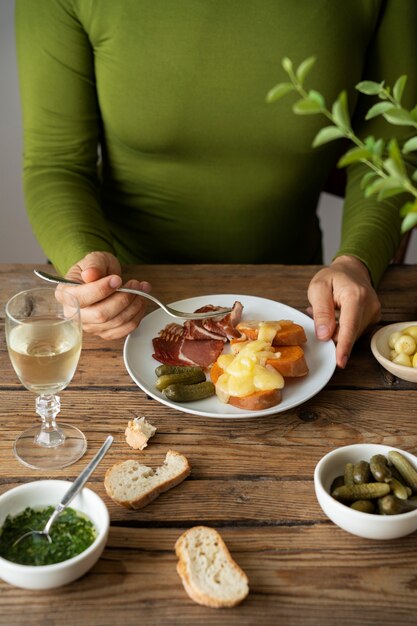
71 534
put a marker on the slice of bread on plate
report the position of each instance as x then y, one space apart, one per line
209 574
134 485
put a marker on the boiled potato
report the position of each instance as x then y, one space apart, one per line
412 331
393 338
403 346
402 359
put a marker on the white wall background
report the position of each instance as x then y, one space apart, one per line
17 243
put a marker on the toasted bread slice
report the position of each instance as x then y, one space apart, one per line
134 485
209 574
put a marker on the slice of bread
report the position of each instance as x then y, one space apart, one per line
134 485
209 574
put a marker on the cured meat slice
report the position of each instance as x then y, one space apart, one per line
197 342
223 326
194 329
187 351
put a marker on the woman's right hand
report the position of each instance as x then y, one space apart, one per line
105 312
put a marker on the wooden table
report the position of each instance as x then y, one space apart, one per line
251 479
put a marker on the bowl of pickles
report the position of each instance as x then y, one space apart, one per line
395 348
369 490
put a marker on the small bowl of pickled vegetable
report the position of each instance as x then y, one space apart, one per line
395 348
78 535
369 490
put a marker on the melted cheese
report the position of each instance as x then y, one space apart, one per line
268 330
245 372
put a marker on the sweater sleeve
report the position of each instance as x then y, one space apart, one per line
371 228
61 131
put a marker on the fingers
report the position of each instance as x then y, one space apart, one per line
96 292
94 266
345 287
116 316
320 295
104 311
350 328
359 308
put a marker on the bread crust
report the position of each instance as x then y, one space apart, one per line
190 586
144 499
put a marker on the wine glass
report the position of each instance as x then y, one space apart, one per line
44 342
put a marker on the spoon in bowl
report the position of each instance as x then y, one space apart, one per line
75 488
168 309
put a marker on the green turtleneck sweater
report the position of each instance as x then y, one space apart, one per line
147 134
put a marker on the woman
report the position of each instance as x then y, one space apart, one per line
194 166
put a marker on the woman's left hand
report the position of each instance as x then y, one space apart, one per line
344 286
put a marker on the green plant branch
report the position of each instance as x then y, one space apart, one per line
388 174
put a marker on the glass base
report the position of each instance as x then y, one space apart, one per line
40 457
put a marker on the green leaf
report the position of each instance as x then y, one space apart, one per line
408 222
287 65
370 142
384 187
340 111
388 193
317 97
410 145
279 91
408 207
399 117
378 109
369 87
393 170
414 175
367 179
398 88
307 107
395 165
329 133
353 156
378 148
304 68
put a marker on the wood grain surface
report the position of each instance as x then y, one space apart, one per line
251 479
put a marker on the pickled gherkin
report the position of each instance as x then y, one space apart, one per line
195 376
366 491
365 506
361 472
379 468
405 468
348 474
182 392
391 505
163 370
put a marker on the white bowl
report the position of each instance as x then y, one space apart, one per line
44 493
381 351
370 526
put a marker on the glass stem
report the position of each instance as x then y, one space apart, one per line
50 435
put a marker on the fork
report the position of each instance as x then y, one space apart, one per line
168 309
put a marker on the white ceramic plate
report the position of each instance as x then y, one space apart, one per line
320 356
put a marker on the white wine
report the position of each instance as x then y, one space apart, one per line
44 353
